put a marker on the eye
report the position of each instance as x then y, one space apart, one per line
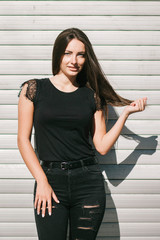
81 54
66 53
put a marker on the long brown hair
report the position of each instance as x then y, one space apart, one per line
91 74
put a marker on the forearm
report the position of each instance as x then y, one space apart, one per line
31 160
110 137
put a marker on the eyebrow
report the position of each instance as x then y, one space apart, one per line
78 52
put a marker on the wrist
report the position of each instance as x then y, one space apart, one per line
125 114
42 180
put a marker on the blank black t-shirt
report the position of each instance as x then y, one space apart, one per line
62 120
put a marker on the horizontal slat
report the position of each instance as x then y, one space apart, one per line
153 97
102 52
79 8
98 238
106 229
113 201
118 238
36 238
125 187
109 67
82 22
133 201
131 126
107 238
129 142
113 238
122 172
131 67
116 157
134 82
146 157
111 215
96 37
130 229
118 82
110 172
150 112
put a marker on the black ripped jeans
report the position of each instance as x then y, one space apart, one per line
82 197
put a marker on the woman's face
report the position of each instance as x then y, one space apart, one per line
73 58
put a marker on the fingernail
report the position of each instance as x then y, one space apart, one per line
42 215
38 213
58 201
50 213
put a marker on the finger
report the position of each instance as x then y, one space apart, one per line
49 207
43 208
35 202
145 101
38 206
140 104
55 197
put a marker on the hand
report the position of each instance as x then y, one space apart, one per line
136 106
44 193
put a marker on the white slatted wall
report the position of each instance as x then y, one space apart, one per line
126 38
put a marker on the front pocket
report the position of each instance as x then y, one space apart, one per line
46 169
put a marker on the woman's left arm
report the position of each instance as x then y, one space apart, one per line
103 141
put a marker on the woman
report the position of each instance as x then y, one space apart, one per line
64 109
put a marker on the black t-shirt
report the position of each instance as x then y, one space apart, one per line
62 120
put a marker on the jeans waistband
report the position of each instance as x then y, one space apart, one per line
69 164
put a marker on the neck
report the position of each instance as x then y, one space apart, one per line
66 80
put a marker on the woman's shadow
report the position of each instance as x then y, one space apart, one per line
116 173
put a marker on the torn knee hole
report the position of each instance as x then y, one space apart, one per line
91 206
84 218
86 228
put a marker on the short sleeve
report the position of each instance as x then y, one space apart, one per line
94 102
31 91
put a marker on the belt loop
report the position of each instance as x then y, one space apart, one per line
82 162
96 159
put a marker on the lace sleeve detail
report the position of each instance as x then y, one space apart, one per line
31 91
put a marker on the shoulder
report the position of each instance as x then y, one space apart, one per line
98 105
90 91
32 89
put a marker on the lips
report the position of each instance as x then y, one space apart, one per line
72 68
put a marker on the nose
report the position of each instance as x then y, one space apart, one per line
74 59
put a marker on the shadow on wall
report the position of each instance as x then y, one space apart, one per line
116 173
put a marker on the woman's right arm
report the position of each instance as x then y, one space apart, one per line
25 123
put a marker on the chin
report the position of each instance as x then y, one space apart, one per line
70 73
